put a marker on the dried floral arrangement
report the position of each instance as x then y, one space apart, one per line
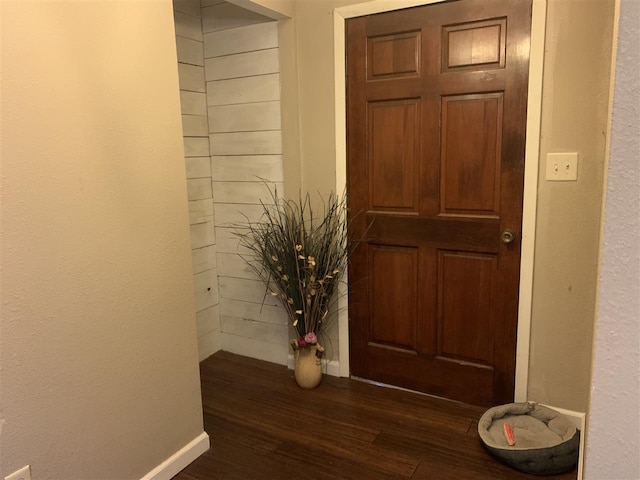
301 257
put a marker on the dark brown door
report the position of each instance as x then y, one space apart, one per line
436 120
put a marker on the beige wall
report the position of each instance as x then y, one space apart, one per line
574 119
314 20
98 346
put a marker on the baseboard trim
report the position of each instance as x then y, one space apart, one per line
330 367
579 419
179 460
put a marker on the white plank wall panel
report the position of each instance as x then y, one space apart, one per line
246 143
202 235
245 117
204 258
250 347
196 146
247 168
228 242
242 327
253 311
210 342
199 188
233 215
227 15
262 88
188 26
244 192
205 320
208 3
205 289
252 291
248 64
240 40
232 265
191 78
200 211
193 103
190 7
195 126
190 51
243 107
198 167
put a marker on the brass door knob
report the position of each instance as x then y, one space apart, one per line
508 236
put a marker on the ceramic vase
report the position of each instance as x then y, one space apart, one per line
308 365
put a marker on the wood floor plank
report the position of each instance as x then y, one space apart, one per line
342 440
263 427
222 429
336 466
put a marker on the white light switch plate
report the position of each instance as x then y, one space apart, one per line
562 167
23 474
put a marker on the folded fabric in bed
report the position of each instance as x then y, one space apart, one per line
546 442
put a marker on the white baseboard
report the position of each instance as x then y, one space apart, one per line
331 367
579 419
179 460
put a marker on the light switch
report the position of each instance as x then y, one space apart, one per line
562 167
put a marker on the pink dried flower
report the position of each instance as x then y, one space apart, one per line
310 338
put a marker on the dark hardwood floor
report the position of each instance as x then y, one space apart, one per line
262 426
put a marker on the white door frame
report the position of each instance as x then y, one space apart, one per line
532 160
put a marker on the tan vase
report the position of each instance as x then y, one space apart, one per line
307 366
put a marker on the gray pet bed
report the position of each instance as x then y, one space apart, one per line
547 443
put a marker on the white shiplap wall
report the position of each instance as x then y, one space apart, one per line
193 99
243 104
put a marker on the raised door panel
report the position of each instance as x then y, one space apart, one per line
471 154
394 146
393 56
474 45
393 280
465 307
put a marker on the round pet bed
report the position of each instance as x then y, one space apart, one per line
546 442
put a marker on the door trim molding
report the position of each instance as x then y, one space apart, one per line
532 161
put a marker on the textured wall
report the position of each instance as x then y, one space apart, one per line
98 347
613 440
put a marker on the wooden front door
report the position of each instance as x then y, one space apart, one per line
436 115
